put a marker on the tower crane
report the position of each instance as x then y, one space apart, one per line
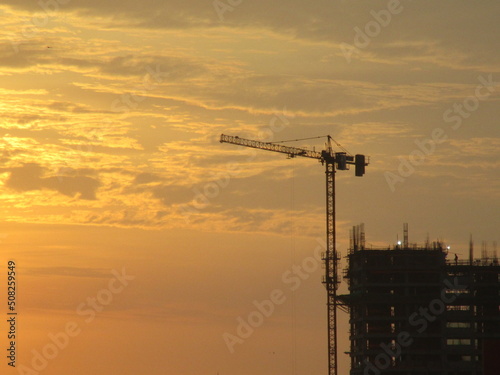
332 160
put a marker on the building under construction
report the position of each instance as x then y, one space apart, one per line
421 310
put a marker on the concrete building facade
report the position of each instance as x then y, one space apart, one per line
413 311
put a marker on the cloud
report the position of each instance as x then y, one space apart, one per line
324 21
144 178
29 177
183 76
65 55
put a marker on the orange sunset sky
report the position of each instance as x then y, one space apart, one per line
111 113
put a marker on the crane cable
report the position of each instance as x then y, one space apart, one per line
341 147
321 136
301 139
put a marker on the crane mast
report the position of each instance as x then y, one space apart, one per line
332 161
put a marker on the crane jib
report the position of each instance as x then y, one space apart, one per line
291 151
341 159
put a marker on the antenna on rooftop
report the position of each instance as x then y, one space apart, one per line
405 235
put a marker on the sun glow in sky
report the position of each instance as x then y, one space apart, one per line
110 117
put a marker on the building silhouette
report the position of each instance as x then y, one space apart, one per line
414 311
